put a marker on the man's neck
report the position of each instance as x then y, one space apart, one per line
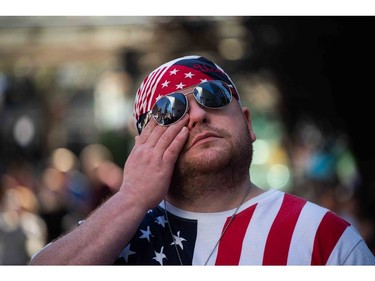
217 201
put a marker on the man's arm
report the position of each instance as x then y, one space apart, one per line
102 236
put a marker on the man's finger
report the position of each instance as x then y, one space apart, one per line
170 134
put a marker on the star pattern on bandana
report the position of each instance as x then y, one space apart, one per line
175 75
189 75
165 84
164 81
173 72
180 86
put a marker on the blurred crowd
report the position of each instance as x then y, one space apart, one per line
37 208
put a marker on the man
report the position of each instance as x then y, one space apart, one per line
187 197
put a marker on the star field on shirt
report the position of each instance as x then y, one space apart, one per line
154 243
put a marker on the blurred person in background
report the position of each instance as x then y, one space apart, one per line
71 187
22 230
187 198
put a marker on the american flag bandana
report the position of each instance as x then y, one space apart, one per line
173 76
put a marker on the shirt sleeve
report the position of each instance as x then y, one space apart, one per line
360 255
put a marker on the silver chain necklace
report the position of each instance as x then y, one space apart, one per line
221 236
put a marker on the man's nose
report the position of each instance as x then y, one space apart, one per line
197 113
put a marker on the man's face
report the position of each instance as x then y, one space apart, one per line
220 143
215 133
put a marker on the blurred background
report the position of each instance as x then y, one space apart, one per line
67 85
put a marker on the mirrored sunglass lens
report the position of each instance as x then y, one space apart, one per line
212 94
169 109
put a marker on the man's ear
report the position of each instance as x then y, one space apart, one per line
246 113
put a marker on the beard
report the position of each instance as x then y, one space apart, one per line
214 171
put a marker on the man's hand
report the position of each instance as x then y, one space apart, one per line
149 167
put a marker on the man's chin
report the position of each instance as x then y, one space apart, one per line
204 161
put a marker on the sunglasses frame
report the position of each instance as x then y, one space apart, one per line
223 84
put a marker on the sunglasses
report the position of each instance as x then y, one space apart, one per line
171 108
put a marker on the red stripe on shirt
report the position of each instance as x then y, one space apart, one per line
329 232
230 246
280 235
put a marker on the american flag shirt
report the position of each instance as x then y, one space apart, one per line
274 228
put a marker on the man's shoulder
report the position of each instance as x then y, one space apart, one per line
309 208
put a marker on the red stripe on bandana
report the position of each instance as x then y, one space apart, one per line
176 75
166 81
